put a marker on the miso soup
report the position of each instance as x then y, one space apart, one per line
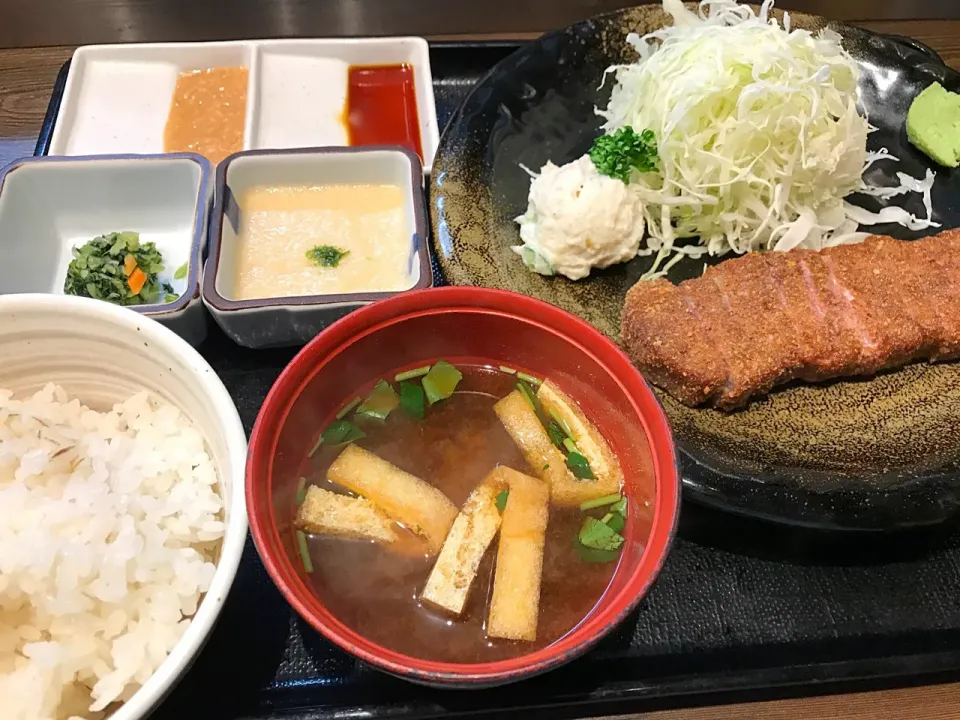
416 449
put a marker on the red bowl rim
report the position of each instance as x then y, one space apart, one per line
572 329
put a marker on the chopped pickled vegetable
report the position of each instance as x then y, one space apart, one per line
117 268
304 551
412 399
301 490
411 374
599 536
502 499
345 410
601 501
580 466
441 382
383 400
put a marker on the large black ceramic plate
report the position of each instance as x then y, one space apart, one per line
872 454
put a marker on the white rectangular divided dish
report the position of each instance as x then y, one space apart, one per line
117 97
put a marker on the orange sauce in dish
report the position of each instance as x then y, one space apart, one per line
207 113
382 106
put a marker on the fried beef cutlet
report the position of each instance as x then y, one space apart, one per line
847 337
751 306
761 320
668 342
919 285
800 315
865 280
938 257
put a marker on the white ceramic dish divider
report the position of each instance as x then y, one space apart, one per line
117 97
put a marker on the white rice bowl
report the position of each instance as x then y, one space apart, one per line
109 528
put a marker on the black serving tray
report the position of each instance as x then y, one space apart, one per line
742 610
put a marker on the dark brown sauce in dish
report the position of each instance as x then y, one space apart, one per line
375 591
382 106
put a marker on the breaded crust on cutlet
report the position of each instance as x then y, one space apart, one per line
872 301
848 310
844 347
803 314
918 286
751 298
703 298
939 254
667 341
712 306
805 328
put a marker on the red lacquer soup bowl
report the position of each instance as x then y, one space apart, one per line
466 325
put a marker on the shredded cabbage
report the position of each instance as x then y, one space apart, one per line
758 133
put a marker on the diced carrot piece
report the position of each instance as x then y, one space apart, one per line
136 281
129 264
